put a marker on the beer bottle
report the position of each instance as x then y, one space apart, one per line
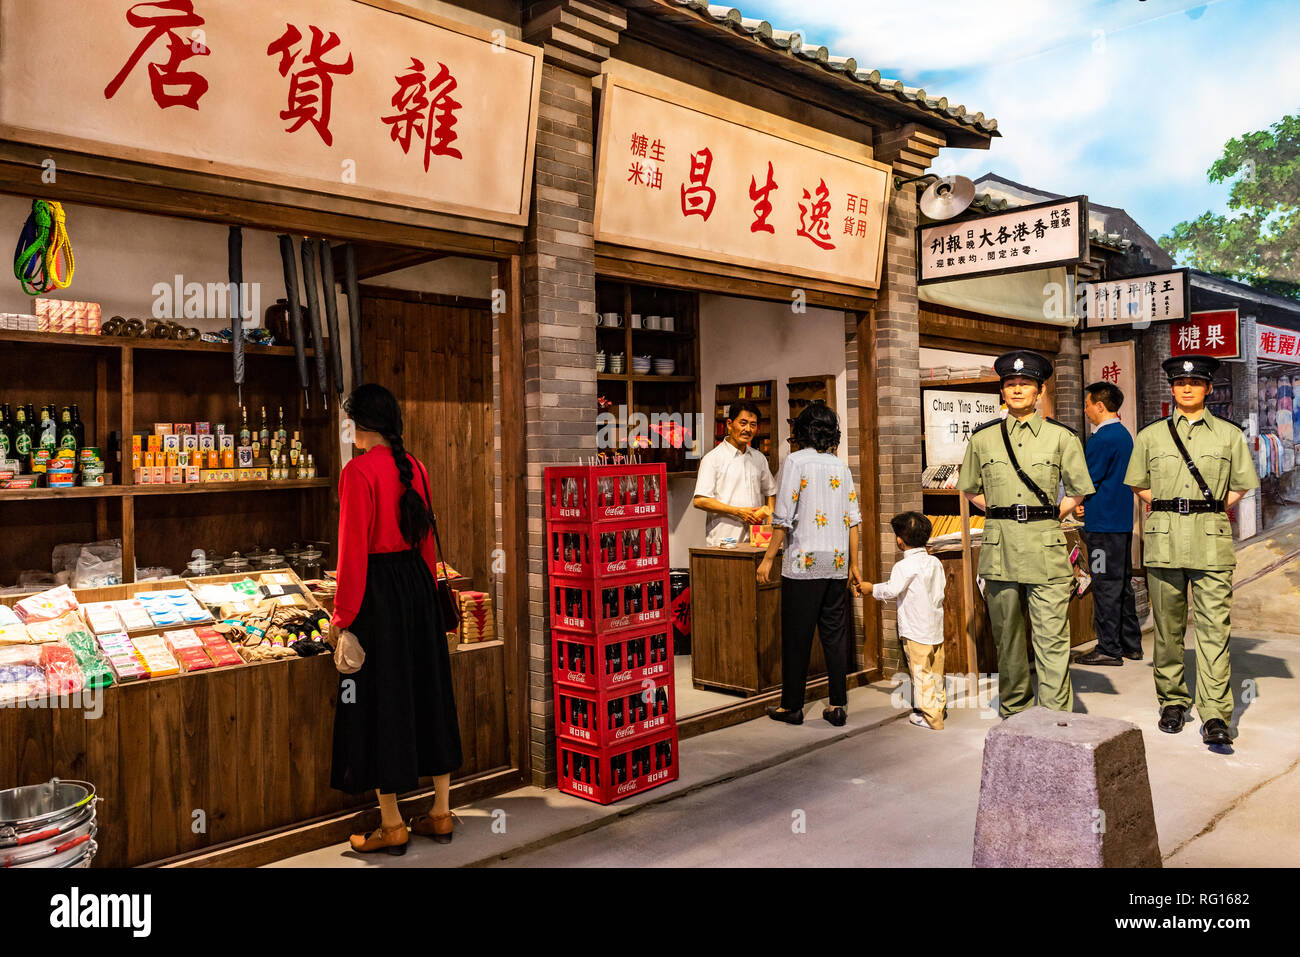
6 433
245 433
22 434
282 434
67 437
264 436
78 427
47 436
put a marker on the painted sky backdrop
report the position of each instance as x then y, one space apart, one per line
1128 101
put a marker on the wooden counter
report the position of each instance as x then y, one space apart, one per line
736 623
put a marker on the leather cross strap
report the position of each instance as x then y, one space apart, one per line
1187 460
1015 464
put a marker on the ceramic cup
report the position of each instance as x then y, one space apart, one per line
652 322
636 320
666 323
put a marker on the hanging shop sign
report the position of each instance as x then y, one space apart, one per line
1274 344
950 418
359 98
1210 333
1027 237
1151 297
1115 362
704 181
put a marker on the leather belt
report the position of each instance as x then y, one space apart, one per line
1023 513
1185 506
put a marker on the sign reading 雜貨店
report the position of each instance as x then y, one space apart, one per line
358 98
1054 233
704 181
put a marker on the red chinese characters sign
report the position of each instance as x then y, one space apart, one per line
685 176
327 95
1211 333
1275 344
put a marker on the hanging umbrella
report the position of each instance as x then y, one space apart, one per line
331 312
354 311
313 314
235 268
295 312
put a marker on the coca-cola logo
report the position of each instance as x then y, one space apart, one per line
616 567
615 511
623 676
623 733
619 622
628 786
573 566
577 676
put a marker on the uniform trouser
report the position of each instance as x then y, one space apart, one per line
1048 606
1114 609
925 665
1212 603
807 604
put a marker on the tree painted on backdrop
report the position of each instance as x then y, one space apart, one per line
1258 241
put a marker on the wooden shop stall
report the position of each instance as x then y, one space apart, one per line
160 165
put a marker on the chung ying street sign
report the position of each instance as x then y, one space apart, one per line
357 98
1152 297
1210 333
695 179
1047 234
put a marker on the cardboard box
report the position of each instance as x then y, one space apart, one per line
259 475
153 443
206 442
245 457
244 475
225 442
171 443
137 443
192 474
213 459
228 459
190 443
202 428
162 428
227 475
175 475
159 475
183 429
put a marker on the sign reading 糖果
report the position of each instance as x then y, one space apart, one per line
693 180
1153 297
357 98
1027 237
1210 333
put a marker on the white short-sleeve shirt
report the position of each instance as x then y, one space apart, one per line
734 478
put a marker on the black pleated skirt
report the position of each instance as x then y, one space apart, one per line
395 719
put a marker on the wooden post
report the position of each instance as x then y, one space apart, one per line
968 598
868 487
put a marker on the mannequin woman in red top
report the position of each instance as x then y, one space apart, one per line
395 721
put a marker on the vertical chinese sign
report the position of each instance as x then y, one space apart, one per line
1114 362
1209 333
346 97
692 179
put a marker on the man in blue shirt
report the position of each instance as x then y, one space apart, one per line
1108 530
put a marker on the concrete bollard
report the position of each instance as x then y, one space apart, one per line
1065 790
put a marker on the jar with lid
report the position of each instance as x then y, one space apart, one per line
201 567
236 564
309 564
269 561
291 555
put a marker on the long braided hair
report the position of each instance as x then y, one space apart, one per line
375 409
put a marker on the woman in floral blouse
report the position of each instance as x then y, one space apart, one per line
816 519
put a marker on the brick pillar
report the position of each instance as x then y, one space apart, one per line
897 377
559 279
1152 351
1068 371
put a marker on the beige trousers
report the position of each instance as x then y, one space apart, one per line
925 665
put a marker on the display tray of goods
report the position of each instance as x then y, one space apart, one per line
606 493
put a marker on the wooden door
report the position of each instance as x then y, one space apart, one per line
435 354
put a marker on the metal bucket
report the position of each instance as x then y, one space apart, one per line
40 812
60 851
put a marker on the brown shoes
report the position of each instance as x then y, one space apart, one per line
390 839
436 826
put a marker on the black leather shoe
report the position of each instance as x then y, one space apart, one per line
789 717
1172 718
1133 656
836 716
1099 658
1215 732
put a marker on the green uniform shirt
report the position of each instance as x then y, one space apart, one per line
1202 540
1032 552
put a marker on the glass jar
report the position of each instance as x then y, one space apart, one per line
291 555
270 561
309 564
236 564
201 568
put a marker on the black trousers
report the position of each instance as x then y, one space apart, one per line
1110 562
820 603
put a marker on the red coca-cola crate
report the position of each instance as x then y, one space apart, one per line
606 662
606 775
607 718
606 493
602 551
609 605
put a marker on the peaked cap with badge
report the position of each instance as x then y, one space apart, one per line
1191 367
1025 363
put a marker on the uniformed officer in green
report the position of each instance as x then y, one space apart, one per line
1024 560
1188 541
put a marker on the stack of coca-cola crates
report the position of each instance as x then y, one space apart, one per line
611 633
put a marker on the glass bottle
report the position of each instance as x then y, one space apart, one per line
67 438
264 436
78 427
22 433
245 433
6 432
47 434
282 434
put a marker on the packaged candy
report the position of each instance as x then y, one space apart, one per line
15 634
62 673
46 605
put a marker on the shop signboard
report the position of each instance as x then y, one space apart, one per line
1210 333
1150 297
698 178
1115 362
950 418
1047 234
364 99
1275 344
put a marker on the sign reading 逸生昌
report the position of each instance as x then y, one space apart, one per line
1114 362
1210 333
1154 297
689 179
1027 237
950 417
356 98
1278 345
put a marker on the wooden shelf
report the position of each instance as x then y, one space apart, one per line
625 377
38 494
940 491
134 491
945 383
59 339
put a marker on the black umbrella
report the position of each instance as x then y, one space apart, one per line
295 311
235 270
313 314
354 310
331 311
